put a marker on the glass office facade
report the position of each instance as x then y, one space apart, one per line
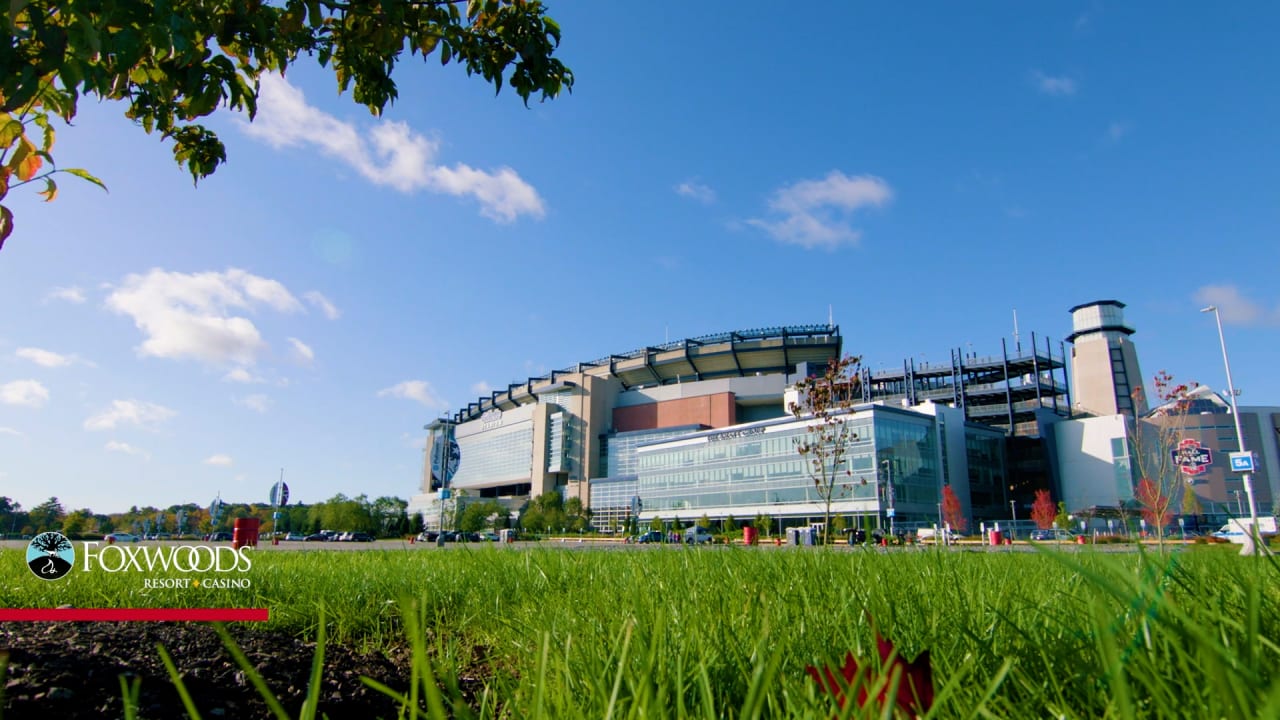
756 469
611 502
496 455
620 448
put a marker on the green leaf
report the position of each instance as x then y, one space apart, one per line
85 175
313 14
9 132
43 121
50 190
6 224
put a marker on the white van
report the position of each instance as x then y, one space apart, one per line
1238 528
697 535
929 534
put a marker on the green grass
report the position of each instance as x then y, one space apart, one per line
727 632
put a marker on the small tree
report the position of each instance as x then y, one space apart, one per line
1044 512
825 402
1155 510
839 524
952 511
729 524
1062 520
1155 443
762 523
656 524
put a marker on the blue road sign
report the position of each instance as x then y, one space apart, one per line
1241 462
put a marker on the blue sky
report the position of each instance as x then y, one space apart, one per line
924 170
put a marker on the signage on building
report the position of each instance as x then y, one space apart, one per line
1191 457
444 462
491 419
1241 461
735 434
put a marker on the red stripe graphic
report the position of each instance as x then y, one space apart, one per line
133 614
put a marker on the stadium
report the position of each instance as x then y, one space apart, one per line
701 427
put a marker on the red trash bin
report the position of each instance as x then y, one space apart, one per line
995 537
749 536
245 532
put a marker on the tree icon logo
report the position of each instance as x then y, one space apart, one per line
50 556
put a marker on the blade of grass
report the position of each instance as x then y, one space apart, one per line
4 674
311 704
176 678
129 693
622 665
249 671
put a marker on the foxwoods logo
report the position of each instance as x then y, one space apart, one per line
51 556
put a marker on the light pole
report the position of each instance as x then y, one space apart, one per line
1013 529
1235 415
888 472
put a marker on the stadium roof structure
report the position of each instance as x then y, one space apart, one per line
732 354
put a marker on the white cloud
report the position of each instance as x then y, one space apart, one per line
419 390
390 153
127 449
70 294
131 412
817 213
1235 308
329 309
414 442
11 431
29 393
219 459
302 351
482 388
242 375
190 315
697 191
44 358
1054 85
256 402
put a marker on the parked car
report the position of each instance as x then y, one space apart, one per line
359 537
220 537
1052 534
427 536
118 537
488 536
697 535
653 536
316 537
295 536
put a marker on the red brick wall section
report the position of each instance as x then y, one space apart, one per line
719 410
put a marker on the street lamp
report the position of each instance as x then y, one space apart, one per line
888 471
1235 415
1013 529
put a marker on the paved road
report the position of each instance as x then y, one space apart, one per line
575 544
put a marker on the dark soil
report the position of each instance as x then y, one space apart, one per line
72 671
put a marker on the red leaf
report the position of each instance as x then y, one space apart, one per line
915 679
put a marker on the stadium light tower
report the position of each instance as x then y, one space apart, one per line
1235 415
